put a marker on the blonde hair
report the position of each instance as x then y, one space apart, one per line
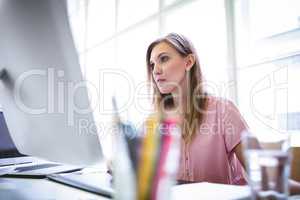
194 86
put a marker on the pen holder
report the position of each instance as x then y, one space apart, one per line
146 163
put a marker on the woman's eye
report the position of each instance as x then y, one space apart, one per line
151 66
164 58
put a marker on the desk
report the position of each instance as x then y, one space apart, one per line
41 189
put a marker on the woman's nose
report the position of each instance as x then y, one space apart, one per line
157 69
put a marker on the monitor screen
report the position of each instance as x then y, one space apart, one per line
7 146
42 92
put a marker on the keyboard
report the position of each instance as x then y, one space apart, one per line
98 183
35 167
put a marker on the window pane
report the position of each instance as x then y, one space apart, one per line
203 22
170 2
76 12
132 60
102 56
101 21
283 15
268 93
99 59
261 36
132 11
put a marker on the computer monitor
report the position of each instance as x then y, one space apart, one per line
43 95
7 146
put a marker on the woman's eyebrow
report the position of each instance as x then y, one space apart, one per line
159 55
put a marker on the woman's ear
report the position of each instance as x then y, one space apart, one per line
190 61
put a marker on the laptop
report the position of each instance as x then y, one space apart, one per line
20 165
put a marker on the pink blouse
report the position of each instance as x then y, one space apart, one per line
210 157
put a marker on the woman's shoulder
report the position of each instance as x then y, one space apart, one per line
216 100
217 103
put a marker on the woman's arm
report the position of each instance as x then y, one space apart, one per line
238 150
293 185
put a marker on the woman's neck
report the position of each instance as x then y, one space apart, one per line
180 98
179 104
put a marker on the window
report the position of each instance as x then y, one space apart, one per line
268 55
112 36
266 29
131 12
203 22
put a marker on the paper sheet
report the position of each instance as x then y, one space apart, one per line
208 191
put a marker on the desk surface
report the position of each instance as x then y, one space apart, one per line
41 189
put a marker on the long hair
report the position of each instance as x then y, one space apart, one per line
196 97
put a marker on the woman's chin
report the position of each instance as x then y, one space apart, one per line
165 90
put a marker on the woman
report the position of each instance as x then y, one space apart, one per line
211 127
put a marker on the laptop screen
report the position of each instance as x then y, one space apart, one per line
7 147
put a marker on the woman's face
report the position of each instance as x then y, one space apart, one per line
168 68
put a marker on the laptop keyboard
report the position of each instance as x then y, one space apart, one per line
35 167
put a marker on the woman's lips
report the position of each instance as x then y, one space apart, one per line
161 80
